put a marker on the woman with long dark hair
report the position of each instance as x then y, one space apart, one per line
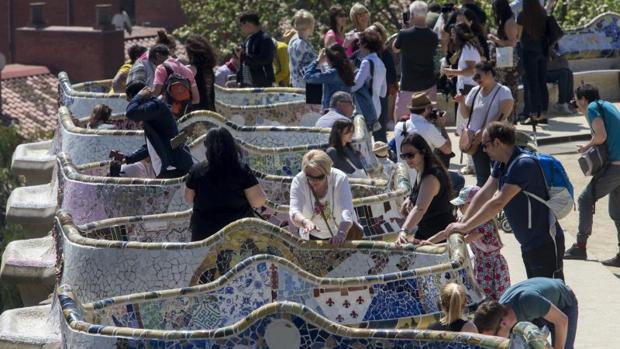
203 60
507 37
337 21
428 206
534 53
221 189
468 53
345 158
339 77
469 17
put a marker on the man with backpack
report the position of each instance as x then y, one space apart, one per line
519 185
604 120
178 85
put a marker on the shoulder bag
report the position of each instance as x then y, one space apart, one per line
594 160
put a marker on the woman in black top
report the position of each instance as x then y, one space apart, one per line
202 59
341 152
531 29
452 300
222 189
428 207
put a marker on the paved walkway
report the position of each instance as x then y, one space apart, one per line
596 286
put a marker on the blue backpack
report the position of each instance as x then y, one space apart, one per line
559 188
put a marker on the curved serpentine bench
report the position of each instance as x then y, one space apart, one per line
406 298
82 98
266 106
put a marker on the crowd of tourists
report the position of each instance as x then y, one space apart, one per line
442 48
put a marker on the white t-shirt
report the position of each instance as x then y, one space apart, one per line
469 53
486 104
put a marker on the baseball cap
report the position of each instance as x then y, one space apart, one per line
465 195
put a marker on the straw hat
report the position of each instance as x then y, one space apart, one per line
420 101
380 149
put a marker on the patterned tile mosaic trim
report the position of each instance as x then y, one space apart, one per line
281 325
127 255
598 39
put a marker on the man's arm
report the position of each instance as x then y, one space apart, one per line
599 134
491 208
484 195
141 110
560 326
140 154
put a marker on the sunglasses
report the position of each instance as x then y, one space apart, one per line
407 156
315 178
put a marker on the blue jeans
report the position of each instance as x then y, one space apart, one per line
535 81
572 312
381 135
482 164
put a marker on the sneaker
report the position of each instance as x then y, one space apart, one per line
576 252
612 262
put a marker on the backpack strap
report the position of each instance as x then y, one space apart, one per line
169 70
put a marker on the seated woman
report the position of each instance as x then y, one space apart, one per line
344 157
428 207
100 117
222 189
321 202
453 300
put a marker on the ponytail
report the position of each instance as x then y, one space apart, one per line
452 299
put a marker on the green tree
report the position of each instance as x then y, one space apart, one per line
217 19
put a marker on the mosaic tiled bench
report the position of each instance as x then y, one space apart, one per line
600 38
266 106
397 298
82 98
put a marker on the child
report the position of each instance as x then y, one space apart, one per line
452 300
490 267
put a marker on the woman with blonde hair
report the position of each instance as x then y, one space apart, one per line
452 300
321 203
300 50
360 17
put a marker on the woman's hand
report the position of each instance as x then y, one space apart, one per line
309 226
402 238
459 98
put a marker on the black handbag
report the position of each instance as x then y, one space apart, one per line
594 160
314 93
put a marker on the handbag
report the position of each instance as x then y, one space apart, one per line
355 232
504 57
314 93
594 160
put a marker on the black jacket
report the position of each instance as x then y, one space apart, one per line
257 54
159 128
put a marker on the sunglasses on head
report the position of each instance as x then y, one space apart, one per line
407 156
315 178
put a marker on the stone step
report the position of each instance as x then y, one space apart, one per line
30 266
33 208
29 328
34 162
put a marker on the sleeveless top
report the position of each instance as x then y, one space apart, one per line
455 326
439 213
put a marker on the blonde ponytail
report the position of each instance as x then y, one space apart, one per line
452 299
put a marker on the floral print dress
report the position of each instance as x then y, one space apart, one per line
490 267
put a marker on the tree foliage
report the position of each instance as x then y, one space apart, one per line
217 19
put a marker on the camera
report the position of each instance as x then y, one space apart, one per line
435 114
406 18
